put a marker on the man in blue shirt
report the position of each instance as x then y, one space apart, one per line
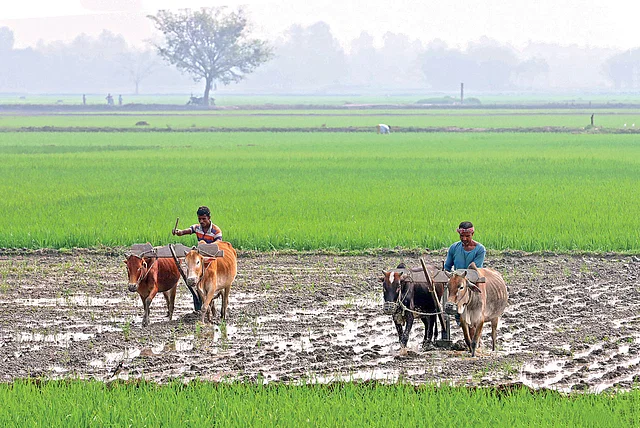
465 251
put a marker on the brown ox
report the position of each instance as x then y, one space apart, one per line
477 303
212 277
147 276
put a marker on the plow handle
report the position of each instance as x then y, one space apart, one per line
434 295
197 304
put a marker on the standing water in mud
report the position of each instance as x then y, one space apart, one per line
572 323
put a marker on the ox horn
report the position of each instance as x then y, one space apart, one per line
474 287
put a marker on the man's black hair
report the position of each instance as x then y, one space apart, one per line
204 211
465 225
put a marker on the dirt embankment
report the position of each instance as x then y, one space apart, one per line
572 323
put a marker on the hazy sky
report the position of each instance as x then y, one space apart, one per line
610 23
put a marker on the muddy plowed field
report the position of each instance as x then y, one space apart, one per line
572 323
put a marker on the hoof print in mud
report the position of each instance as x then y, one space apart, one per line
459 346
406 353
428 346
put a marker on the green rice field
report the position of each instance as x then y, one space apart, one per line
610 119
346 191
89 403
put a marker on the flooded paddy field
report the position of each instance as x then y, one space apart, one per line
572 323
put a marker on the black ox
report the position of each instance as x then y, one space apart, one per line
407 296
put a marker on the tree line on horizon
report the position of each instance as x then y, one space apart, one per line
309 59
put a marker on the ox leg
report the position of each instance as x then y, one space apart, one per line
170 298
477 333
434 323
465 332
405 335
146 303
207 303
225 302
427 333
433 328
204 308
430 332
212 311
213 307
494 332
399 330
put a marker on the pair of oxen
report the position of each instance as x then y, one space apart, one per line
475 303
211 277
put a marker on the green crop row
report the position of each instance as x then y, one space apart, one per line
331 119
309 191
91 403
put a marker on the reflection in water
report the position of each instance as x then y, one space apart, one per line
62 339
75 300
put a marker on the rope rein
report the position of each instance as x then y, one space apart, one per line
143 277
418 312
203 271
402 305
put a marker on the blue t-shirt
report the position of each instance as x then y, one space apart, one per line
458 258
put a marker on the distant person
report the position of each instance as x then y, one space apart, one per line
465 251
205 230
384 129
84 100
119 100
109 99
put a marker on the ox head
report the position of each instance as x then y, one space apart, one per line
137 270
195 267
391 286
460 292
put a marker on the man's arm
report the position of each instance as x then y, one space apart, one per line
217 233
448 264
180 232
479 258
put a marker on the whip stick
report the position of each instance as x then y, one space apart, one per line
177 220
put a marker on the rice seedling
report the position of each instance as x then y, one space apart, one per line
84 403
331 118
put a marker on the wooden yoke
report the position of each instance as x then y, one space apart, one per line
209 250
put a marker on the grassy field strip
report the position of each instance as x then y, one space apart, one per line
90 403
307 191
320 119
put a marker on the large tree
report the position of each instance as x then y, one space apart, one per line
210 44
